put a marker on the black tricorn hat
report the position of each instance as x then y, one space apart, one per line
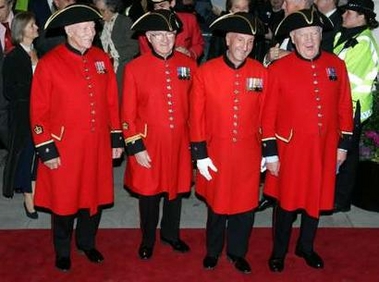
72 14
239 22
365 7
303 18
158 20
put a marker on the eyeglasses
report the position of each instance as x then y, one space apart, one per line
160 35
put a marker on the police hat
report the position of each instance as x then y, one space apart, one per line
365 7
161 19
303 18
240 22
72 14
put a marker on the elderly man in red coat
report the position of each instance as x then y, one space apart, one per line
189 41
306 127
155 126
225 109
74 112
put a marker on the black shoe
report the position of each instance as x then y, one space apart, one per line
178 245
265 203
32 215
92 255
276 264
145 252
338 208
240 264
210 262
63 263
312 259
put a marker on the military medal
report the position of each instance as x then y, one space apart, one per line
184 73
254 84
100 67
331 73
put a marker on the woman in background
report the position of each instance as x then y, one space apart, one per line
18 69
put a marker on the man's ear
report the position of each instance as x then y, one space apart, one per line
292 36
148 35
67 29
172 3
227 39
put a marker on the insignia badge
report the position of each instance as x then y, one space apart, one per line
38 129
184 73
125 126
254 84
100 67
331 72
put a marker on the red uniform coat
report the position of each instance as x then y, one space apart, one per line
155 113
307 108
74 108
189 37
225 113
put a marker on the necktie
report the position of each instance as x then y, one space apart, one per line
8 46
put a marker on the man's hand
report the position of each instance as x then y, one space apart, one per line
203 166
263 165
273 168
117 152
341 157
53 163
276 53
143 159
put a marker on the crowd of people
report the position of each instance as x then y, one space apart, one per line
286 85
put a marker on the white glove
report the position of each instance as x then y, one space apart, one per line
263 164
203 165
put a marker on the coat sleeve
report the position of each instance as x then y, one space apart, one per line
197 40
40 113
345 111
197 118
113 105
268 115
132 136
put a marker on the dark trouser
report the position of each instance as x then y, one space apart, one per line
282 223
86 229
347 175
149 217
238 230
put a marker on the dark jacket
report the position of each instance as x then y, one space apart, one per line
17 76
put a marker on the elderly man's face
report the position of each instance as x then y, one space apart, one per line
239 47
5 9
165 5
162 41
80 35
240 6
61 4
290 6
307 41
